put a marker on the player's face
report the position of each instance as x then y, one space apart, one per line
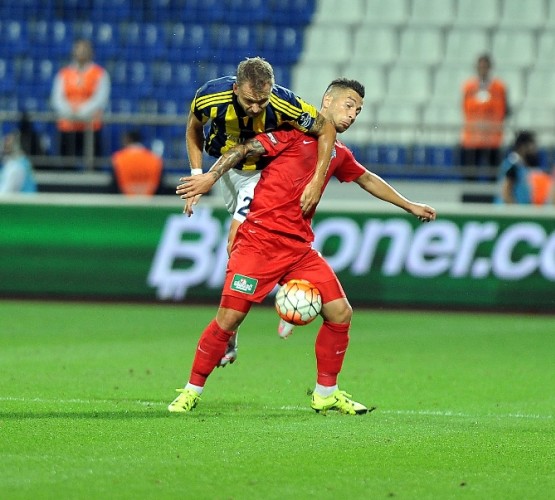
343 108
253 102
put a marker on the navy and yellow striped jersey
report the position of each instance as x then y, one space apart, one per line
216 102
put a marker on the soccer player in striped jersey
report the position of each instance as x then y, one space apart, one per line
274 245
236 108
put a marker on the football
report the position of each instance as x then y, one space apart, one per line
298 302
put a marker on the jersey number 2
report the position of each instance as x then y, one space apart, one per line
244 209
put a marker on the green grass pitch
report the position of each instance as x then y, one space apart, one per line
466 407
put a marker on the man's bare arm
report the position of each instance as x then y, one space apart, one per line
326 134
379 188
200 184
194 139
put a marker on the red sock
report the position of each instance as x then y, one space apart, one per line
331 345
210 348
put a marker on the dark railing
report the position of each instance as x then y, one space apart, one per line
394 150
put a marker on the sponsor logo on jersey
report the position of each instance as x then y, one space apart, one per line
244 284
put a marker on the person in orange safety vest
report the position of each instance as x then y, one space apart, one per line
80 94
485 108
137 170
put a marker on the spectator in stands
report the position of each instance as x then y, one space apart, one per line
136 169
521 179
16 175
80 94
485 109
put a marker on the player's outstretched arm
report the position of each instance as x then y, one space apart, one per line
379 188
326 134
194 140
200 184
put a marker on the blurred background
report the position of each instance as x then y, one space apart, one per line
413 56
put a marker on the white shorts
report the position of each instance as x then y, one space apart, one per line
238 190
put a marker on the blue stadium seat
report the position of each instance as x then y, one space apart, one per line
232 43
129 34
392 154
169 107
148 106
139 79
209 71
165 11
105 41
123 105
238 11
45 72
290 12
206 11
282 75
113 11
50 39
186 76
435 155
187 42
372 154
83 28
117 70
6 77
9 102
279 45
24 10
13 37
441 156
162 73
153 42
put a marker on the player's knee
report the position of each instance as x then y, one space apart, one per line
338 311
229 319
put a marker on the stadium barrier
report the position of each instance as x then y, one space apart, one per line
110 248
426 151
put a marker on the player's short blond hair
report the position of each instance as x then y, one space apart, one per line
256 71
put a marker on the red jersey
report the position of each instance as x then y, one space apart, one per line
276 206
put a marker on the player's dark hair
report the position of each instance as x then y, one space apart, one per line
345 83
524 137
257 71
134 136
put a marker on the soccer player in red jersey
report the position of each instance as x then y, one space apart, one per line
236 108
274 245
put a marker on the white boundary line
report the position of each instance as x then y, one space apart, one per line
422 413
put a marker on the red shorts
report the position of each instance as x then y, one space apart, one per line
260 259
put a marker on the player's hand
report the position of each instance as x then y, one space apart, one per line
190 203
310 197
423 212
195 185
192 188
